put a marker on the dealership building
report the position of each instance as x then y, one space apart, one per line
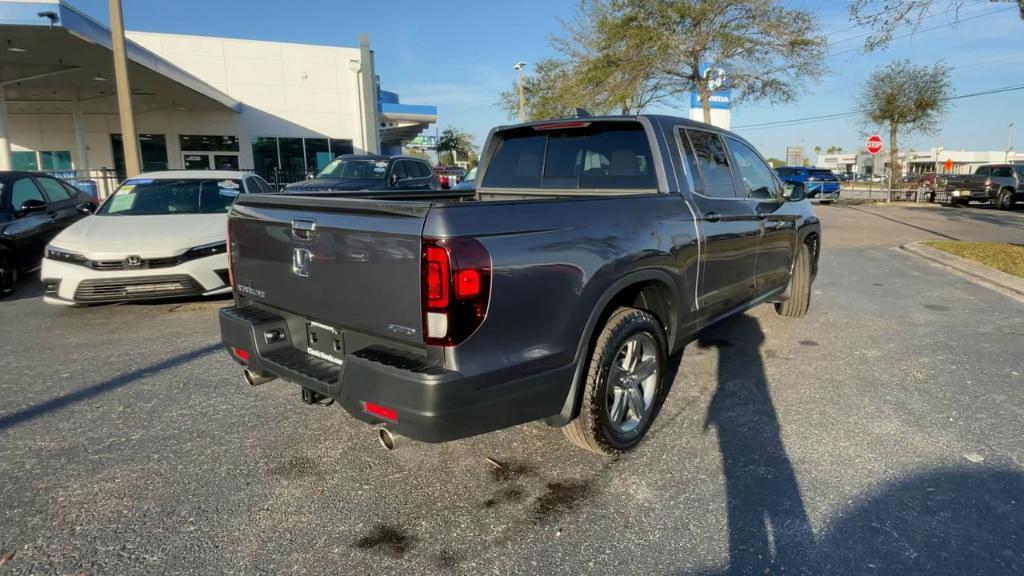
199 102
917 162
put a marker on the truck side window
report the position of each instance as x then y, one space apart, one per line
1002 172
691 162
755 175
714 164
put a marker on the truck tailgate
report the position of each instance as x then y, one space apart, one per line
353 264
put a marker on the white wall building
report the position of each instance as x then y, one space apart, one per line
199 102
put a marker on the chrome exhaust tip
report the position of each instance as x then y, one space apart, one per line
255 379
389 440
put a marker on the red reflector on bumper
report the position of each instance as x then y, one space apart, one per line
381 411
242 354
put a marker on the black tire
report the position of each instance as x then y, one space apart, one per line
799 289
1005 199
8 273
593 429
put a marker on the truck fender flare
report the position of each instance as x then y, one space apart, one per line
571 405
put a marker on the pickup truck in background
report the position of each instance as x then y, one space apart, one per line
591 250
1001 184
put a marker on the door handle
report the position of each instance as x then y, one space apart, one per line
712 217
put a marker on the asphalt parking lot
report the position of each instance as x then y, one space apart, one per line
882 434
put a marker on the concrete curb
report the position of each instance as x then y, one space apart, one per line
974 271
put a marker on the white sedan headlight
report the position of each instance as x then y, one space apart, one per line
206 250
65 255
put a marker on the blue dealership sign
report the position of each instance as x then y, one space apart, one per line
720 99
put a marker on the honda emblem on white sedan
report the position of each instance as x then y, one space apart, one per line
301 258
133 261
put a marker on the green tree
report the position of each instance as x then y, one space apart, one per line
834 150
454 142
620 56
883 18
418 153
905 98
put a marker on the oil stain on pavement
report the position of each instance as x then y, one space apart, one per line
390 540
559 498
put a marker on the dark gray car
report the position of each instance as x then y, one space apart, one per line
358 172
34 207
591 250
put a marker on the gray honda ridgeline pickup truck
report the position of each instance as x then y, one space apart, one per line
591 250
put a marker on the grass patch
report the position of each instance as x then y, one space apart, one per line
1006 257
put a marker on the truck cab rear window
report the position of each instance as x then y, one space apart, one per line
612 155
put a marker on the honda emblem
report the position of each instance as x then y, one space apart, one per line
133 262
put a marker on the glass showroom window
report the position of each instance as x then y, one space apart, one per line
194 143
152 147
293 159
24 161
340 146
318 154
296 156
55 159
264 153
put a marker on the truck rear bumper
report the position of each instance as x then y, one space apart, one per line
419 400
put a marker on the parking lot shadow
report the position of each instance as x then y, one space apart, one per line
28 287
768 525
935 522
32 412
939 522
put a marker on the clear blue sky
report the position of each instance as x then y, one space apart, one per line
458 55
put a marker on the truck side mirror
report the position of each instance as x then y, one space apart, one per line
794 191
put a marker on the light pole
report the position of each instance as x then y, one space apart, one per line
522 99
129 139
1009 140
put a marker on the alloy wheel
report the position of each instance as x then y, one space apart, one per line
632 383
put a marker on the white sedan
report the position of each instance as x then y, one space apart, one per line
159 235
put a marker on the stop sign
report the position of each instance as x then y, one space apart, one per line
874 144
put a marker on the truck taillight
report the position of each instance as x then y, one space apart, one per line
456 287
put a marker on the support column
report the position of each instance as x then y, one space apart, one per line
129 138
368 75
80 141
5 138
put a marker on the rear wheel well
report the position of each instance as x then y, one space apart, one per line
655 297
651 295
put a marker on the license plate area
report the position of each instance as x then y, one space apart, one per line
325 342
